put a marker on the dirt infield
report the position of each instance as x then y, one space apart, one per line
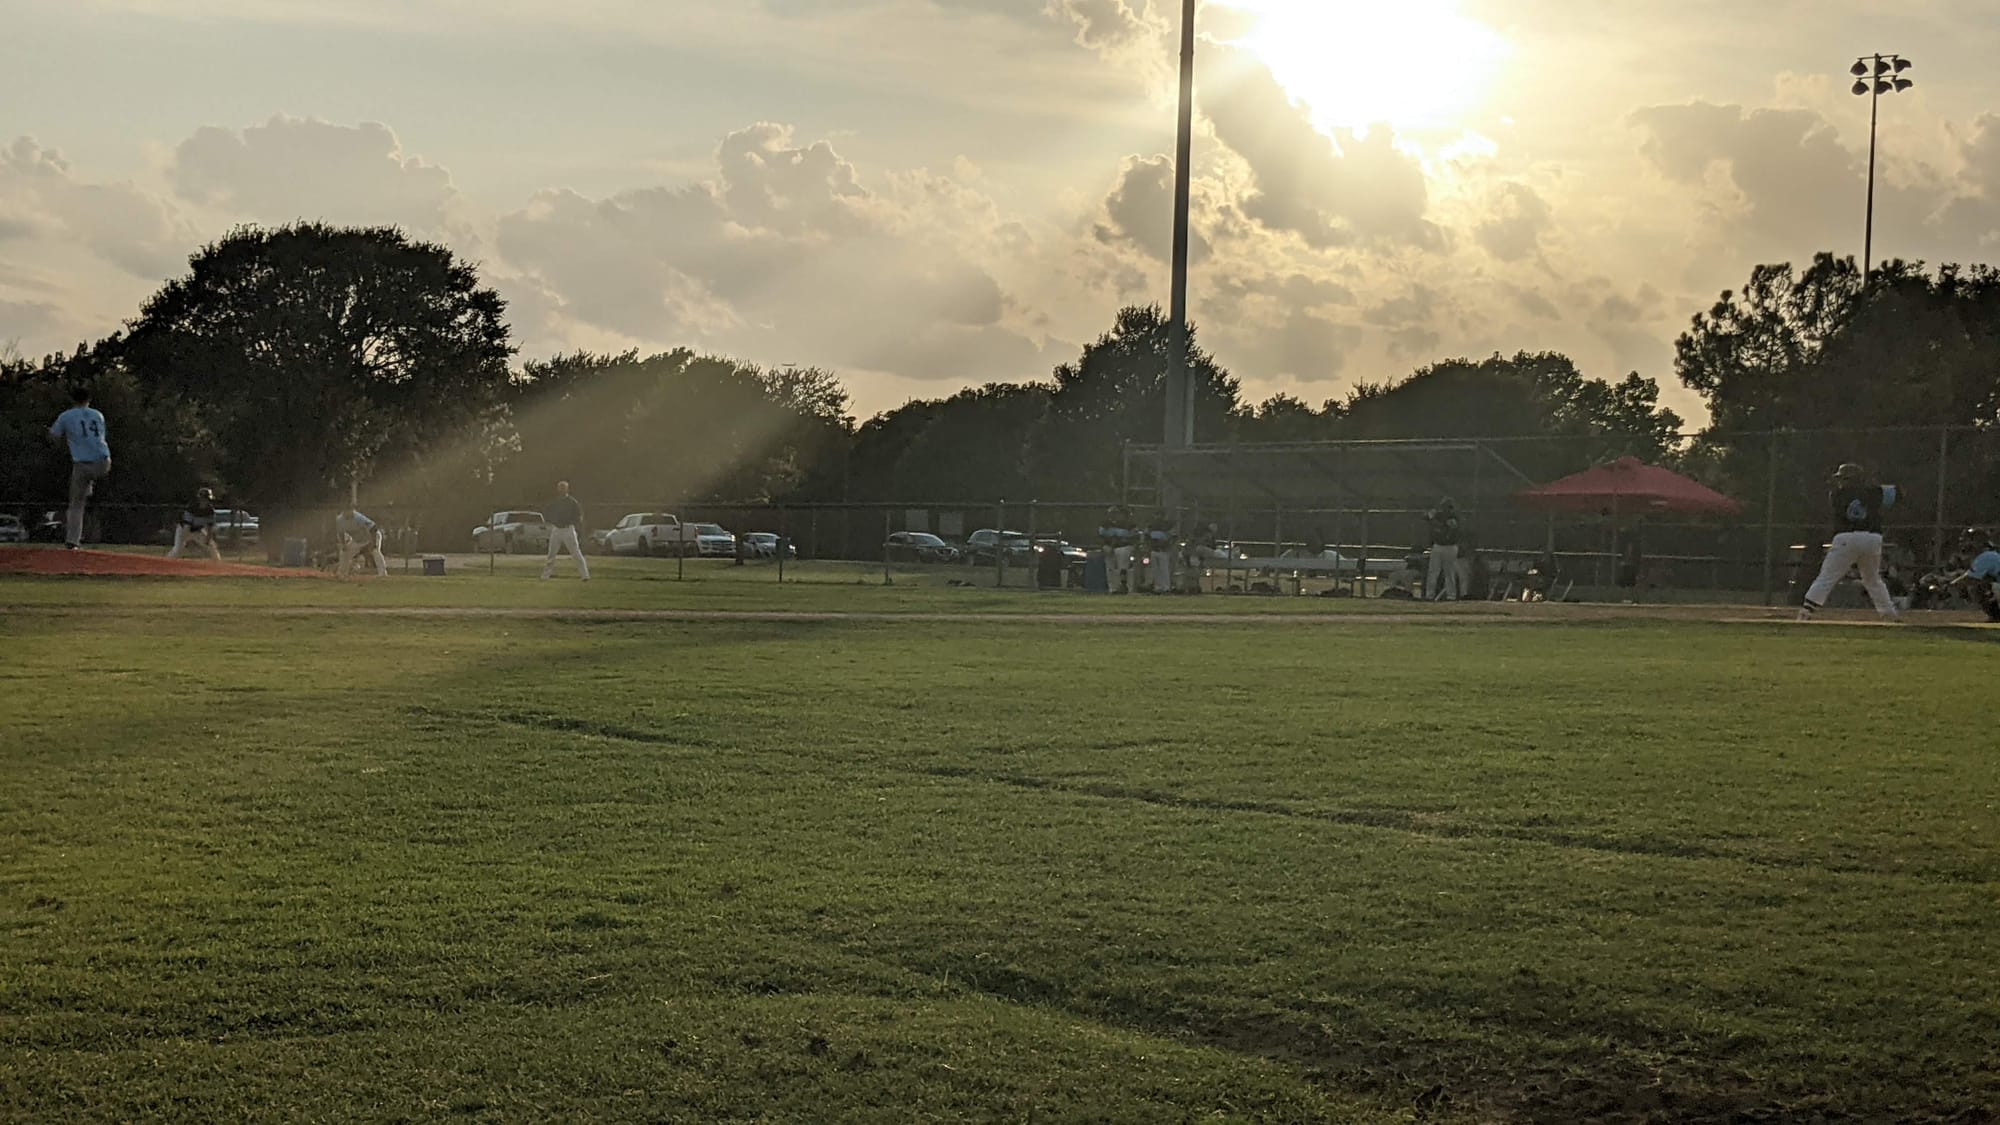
56 561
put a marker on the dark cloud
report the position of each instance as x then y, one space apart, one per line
1518 218
1309 347
1140 210
1533 303
1787 165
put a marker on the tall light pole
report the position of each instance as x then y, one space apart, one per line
1180 386
1875 75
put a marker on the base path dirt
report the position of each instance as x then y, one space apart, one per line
57 561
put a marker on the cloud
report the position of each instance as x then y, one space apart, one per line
1785 168
1331 191
120 223
292 168
784 248
1104 25
26 320
1518 218
1533 303
1140 210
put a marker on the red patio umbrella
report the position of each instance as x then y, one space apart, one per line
1629 487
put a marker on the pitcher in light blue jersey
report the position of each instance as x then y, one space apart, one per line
82 428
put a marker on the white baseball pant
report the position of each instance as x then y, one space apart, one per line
564 539
1857 550
201 537
1442 583
1161 568
354 552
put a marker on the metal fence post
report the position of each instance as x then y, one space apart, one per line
1770 516
1000 549
1937 543
783 542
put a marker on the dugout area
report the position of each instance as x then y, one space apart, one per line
1364 498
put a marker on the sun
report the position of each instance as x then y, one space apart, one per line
1412 64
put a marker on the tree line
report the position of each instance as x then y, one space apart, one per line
292 366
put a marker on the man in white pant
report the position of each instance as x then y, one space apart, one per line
1857 541
360 543
564 516
1119 536
1160 553
197 526
1442 584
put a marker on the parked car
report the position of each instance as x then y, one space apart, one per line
1073 555
649 533
712 542
234 525
764 545
508 532
12 530
918 547
597 542
51 528
986 544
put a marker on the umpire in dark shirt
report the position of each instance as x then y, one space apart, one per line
565 519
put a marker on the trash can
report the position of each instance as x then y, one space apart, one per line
1096 574
434 566
1049 569
295 552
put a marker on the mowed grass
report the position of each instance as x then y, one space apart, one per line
259 866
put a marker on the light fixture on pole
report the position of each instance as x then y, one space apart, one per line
1875 75
1180 384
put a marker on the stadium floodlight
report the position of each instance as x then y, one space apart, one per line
1887 72
1180 381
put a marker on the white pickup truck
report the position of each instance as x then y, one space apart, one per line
508 532
650 533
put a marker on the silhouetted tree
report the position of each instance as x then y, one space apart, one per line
322 355
1116 393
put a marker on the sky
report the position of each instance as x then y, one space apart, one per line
928 194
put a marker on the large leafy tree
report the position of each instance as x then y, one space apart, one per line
1115 393
1570 421
976 447
321 356
675 427
1804 369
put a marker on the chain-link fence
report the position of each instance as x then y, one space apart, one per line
1356 508
1365 501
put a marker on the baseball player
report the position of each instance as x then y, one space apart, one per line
82 427
1981 579
360 540
565 516
1442 584
1119 536
1160 552
197 526
1857 541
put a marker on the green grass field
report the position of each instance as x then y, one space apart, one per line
260 864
